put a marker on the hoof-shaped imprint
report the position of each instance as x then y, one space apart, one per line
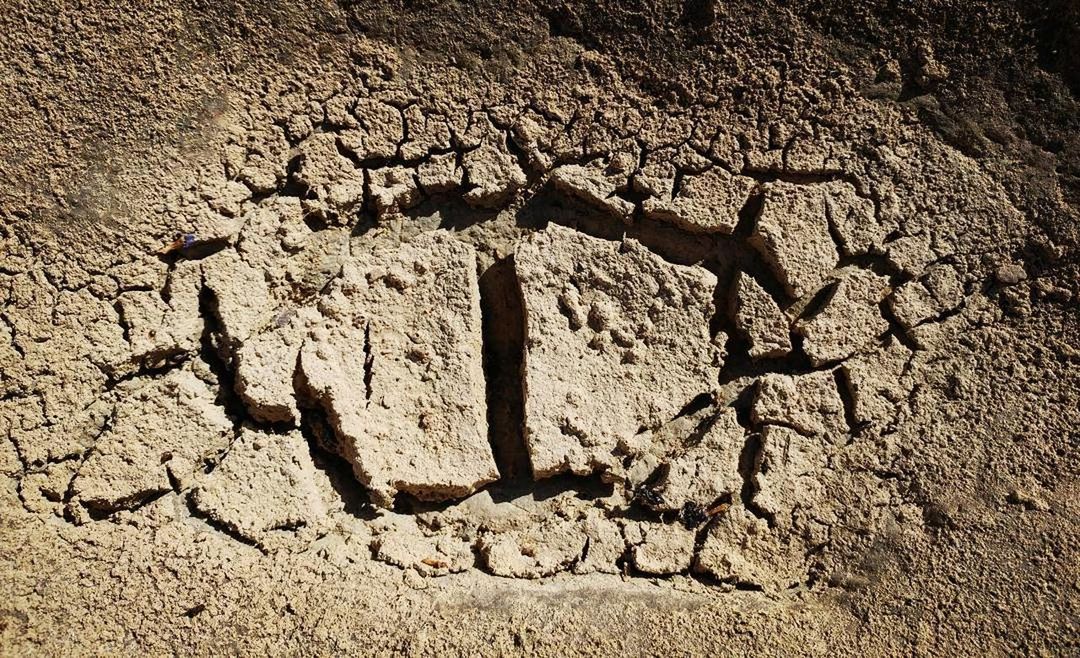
520 356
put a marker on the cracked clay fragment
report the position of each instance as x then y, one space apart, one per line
792 234
809 404
659 549
936 293
759 319
707 470
493 176
708 202
266 364
789 477
160 431
743 550
265 482
878 382
616 340
535 552
596 183
397 366
849 321
854 219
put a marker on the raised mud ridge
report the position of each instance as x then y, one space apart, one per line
506 354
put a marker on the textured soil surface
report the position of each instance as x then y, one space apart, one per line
644 327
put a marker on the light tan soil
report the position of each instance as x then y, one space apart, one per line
590 328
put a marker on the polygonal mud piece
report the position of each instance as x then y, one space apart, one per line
810 404
158 329
331 177
849 320
493 176
657 178
42 491
537 551
597 183
265 482
426 133
616 340
659 549
378 130
242 300
934 294
792 234
161 430
274 232
788 479
854 219
759 319
604 545
225 196
910 253
439 173
708 202
397 364
431 556
877 382
706 471
392 189
266 365
741 549
142 313
261 164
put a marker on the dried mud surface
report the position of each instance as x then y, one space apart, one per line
568 328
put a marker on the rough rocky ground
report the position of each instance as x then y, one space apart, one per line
640 327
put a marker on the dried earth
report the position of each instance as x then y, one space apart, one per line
591 328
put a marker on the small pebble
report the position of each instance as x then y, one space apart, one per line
1010 274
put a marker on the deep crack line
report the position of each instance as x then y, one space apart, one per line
503 331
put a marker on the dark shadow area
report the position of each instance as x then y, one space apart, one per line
324 449
584 487
673 244
503 329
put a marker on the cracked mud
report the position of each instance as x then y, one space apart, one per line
414 320
711 396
